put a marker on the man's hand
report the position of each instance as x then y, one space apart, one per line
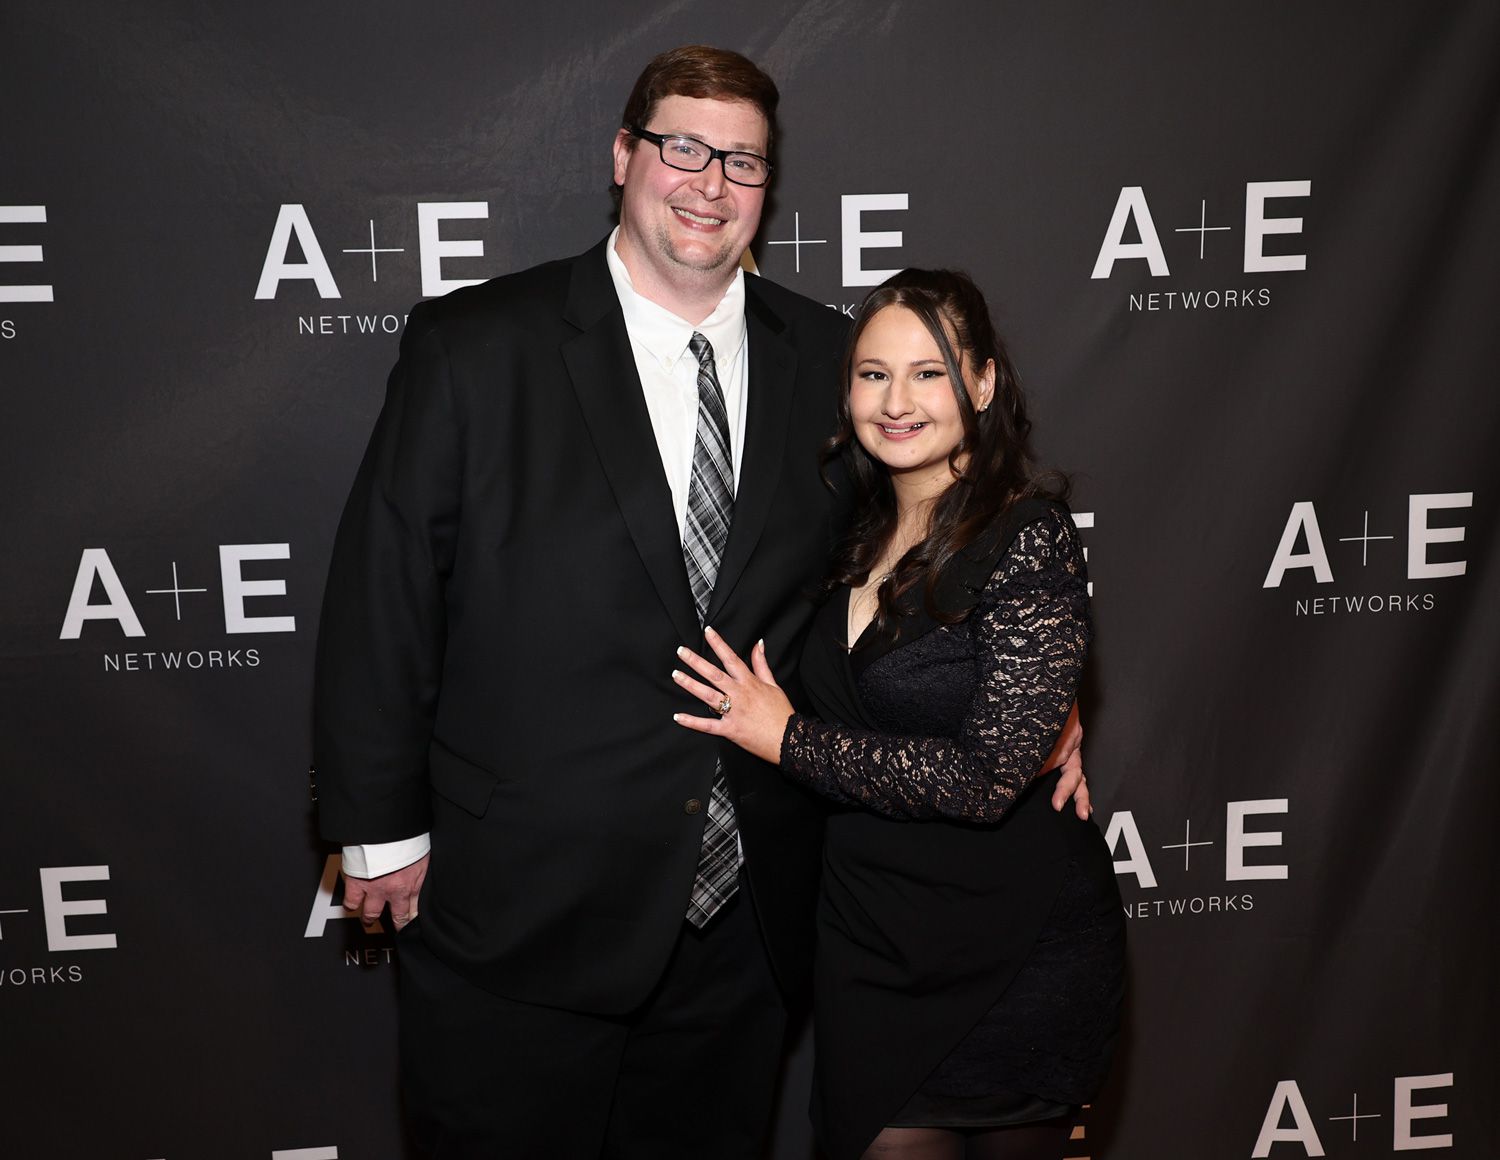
399 888
1068 754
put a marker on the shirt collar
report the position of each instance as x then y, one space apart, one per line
662 334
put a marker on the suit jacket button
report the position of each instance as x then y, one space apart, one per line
691 806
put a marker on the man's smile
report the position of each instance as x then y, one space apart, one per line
697 219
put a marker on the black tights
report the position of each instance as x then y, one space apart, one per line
1046 1140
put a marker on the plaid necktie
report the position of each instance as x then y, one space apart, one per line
710 509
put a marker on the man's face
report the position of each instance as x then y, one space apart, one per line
683 230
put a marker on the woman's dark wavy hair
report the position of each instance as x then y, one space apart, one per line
992 463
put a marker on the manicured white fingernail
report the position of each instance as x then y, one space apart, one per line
676 675
761 644
677 717
682 650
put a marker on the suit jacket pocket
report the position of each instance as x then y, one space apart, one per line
466 785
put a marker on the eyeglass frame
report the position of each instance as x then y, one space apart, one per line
719 155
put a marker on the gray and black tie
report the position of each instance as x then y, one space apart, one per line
710 508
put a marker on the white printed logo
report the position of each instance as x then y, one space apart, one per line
35 291
1260 221
71 924
96 569
1290 1121
1302 555
293 231
857 237
292 221
18 253
1243 832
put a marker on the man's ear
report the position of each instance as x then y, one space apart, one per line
624 149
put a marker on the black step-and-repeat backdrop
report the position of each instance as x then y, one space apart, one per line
1245 255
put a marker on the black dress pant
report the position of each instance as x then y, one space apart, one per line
690 1075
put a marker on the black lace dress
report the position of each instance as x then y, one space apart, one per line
971 940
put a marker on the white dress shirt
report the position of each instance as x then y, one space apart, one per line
668 373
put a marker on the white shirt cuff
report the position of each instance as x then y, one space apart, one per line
380 858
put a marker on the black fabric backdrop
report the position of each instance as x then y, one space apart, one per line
1244 258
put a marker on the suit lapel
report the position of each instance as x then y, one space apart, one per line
772 380
602 369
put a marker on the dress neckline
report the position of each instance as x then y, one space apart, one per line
957 589
850 646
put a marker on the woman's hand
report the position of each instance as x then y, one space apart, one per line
752 710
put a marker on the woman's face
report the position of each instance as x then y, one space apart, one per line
901 398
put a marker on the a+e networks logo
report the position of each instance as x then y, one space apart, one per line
1237 849
71 924
1415 1120
1421 544
1132 237
29 252
99 594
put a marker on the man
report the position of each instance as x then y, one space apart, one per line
578 467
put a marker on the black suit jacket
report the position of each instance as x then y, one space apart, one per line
505 595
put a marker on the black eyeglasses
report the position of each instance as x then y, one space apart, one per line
694 156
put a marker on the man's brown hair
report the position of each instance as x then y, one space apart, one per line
699 70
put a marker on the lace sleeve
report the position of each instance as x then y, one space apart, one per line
1031 631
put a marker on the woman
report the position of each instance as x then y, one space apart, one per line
970 961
